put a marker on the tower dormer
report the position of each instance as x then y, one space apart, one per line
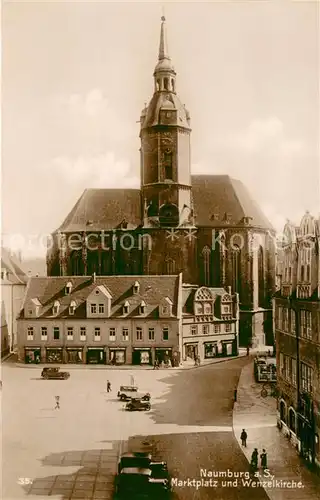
165 147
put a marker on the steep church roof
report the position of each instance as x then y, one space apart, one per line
216 198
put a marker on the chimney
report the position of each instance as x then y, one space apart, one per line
94 278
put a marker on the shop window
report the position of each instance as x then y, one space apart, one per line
165 333
139 333
56 333
101 308
83 333
97 333
44 333
125 334
30 333
112 334
70 333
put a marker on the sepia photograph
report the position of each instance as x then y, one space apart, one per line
160 250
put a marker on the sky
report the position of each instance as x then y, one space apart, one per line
76 75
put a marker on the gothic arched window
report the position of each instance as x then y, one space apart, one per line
165 84
206 253
236 268
168 165
261 280
76 263
170 266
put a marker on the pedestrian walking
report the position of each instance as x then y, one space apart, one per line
57 407
263 458
243 438
254 460
248 350
108 386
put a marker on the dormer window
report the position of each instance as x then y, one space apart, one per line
56 307
72 308
136 287
4 274
142 307
68 288
126 306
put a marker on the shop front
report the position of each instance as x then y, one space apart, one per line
32 354
141 356
96 356
191 350
74 355
210 350
117 355
163 355
218 349
54 355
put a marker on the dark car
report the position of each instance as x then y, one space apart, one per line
138 404
141 460
54 373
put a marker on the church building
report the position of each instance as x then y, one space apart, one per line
206 227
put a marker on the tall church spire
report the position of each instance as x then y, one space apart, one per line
163 46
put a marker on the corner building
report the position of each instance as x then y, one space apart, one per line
297 327
206 227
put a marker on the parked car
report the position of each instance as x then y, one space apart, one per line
126 391
141 478
54 373
138 404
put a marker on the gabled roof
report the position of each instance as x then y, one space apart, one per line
152 290
103 209
17 274
221 195
215 197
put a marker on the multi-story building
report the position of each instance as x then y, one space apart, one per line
210 322
108 320
206 227
13 285
297 326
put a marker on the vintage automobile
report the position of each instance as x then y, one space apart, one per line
138 404
141 478
54 373
126 392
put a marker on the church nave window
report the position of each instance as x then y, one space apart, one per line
206 253
170 266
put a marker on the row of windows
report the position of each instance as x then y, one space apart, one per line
205 329
288 370
286 321
139 333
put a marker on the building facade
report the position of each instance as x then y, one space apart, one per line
110 320
210 323
297 326
206 227
13 286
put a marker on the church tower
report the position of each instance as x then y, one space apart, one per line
165 150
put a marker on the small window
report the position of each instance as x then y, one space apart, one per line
97 333
165 333
101 308
30 333
70 333
151 333
205 329
139 333
55 308
68 288
72 308
216 328
93 308
125 334
228 327
126 308
193 330
142 308
112 334
164 310
44 333
136 287
56 333
82 333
